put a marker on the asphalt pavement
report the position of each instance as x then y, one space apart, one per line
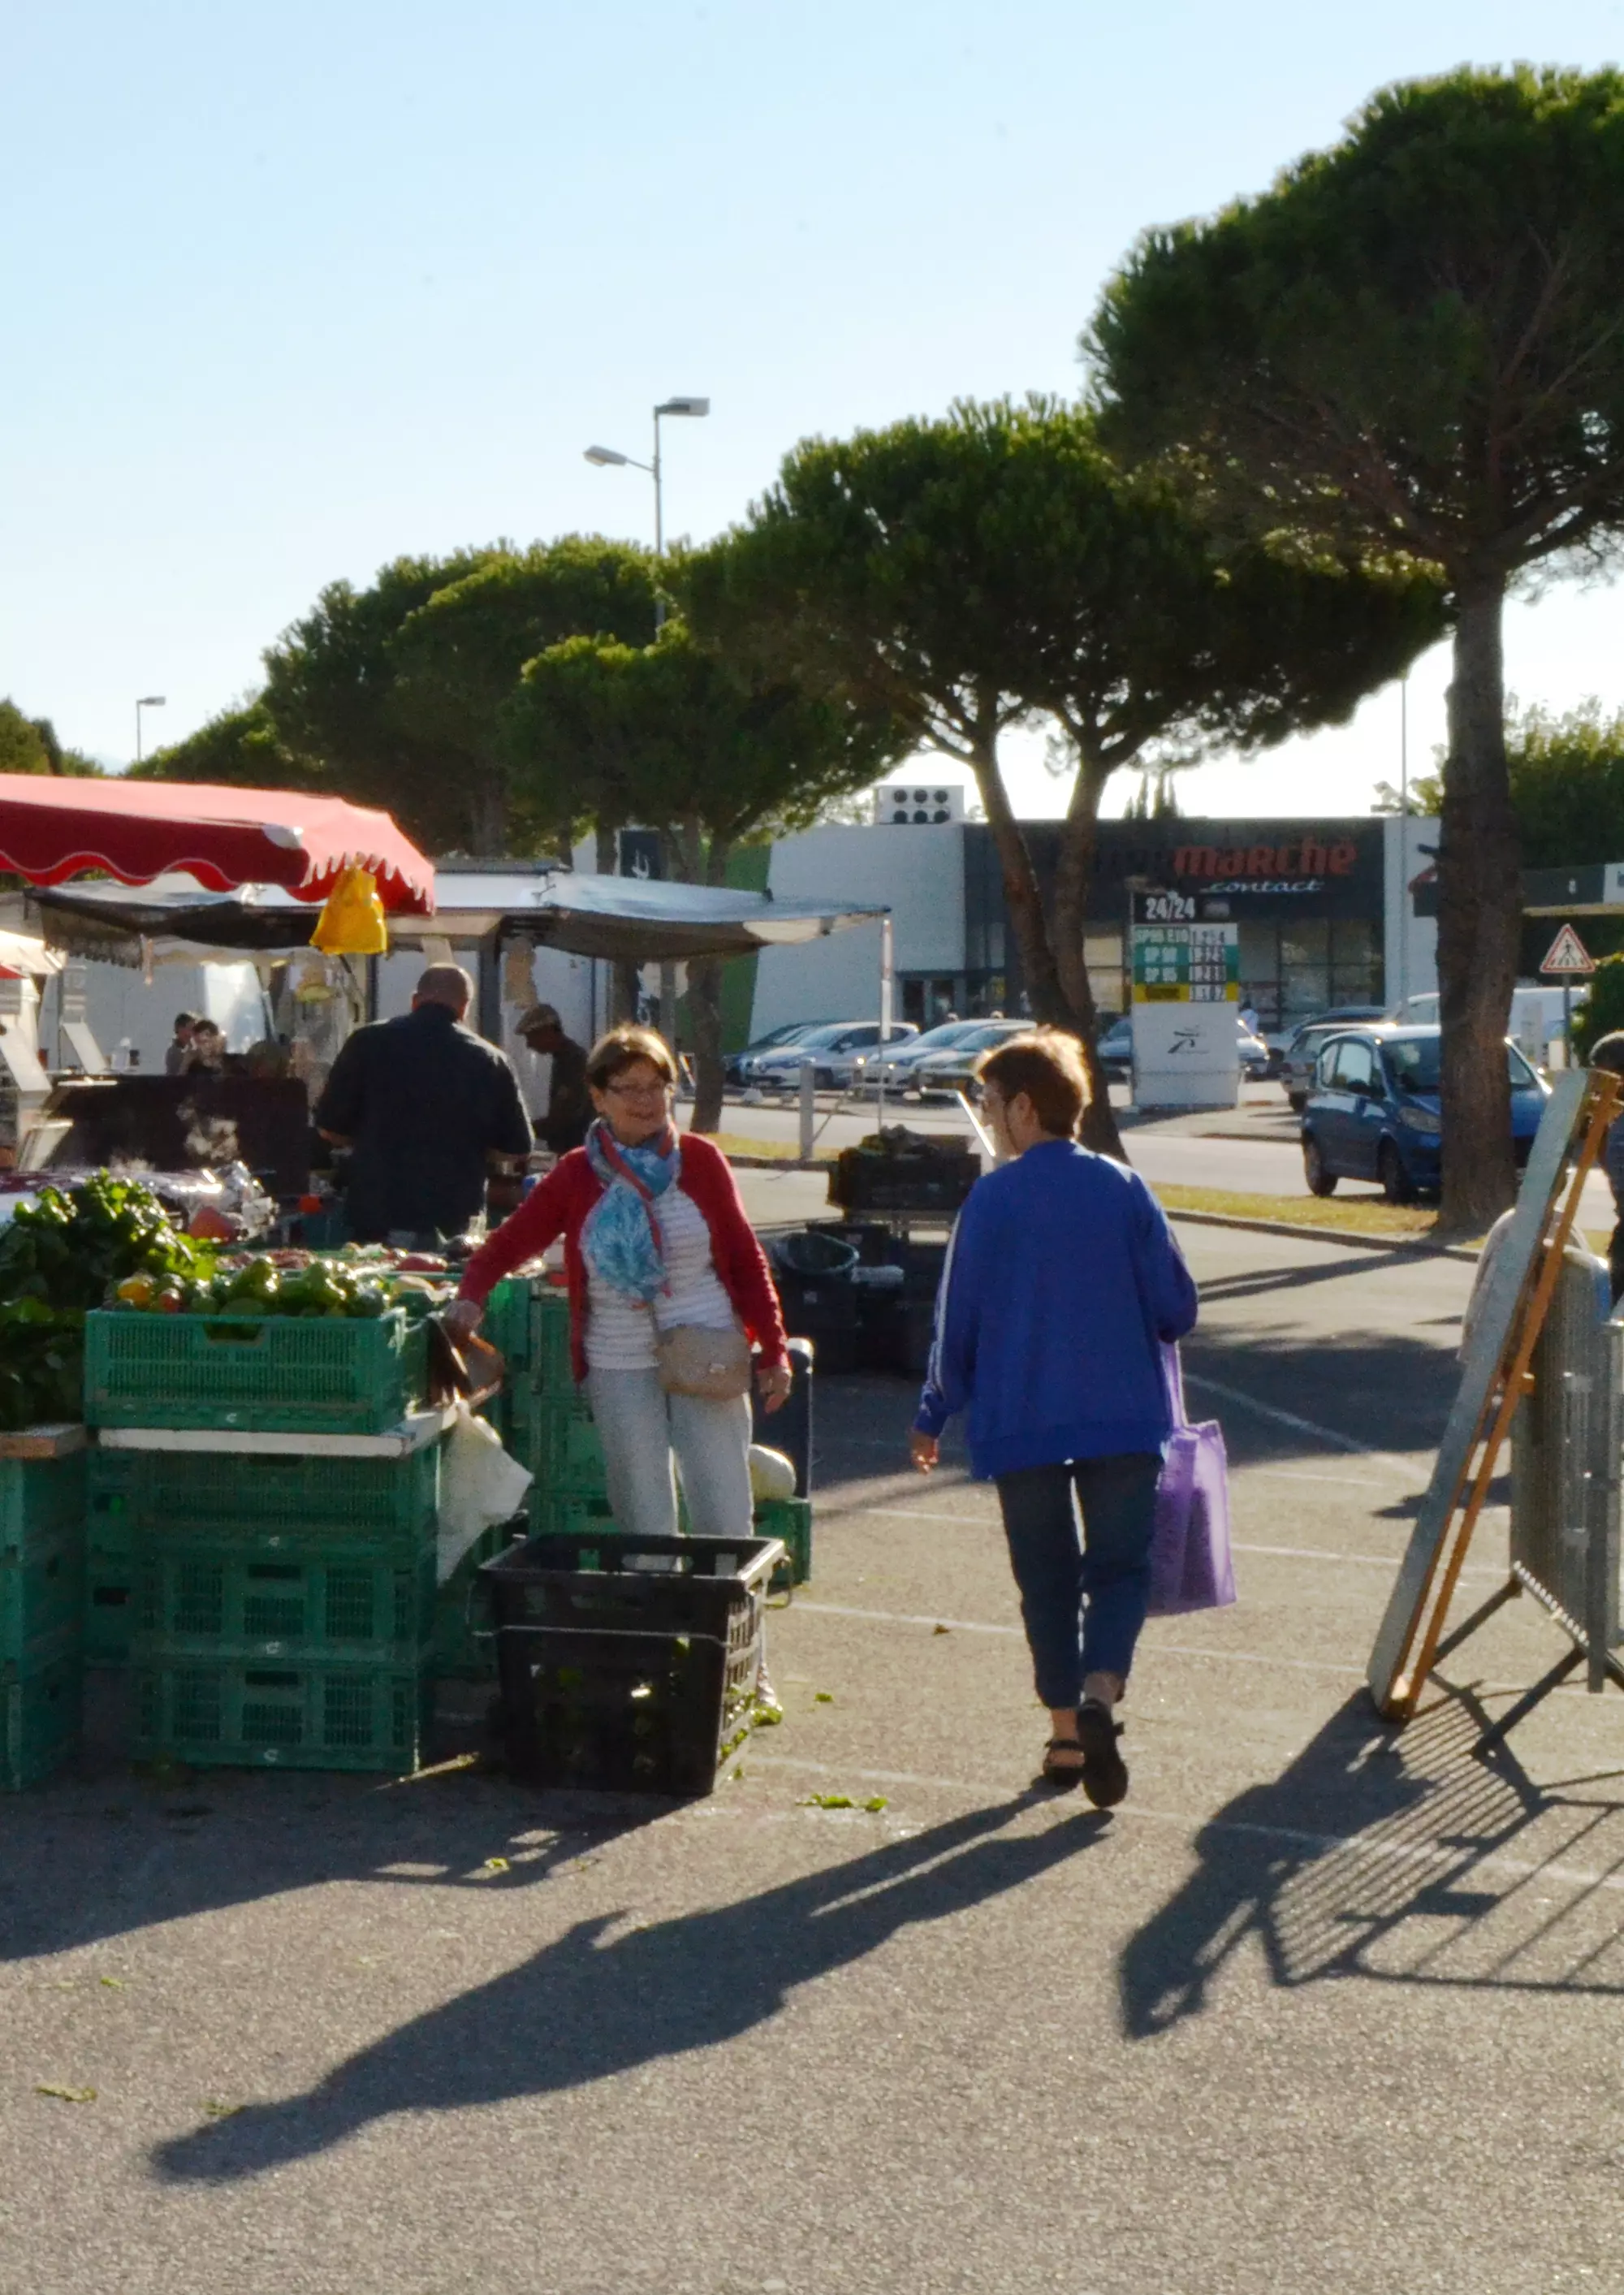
1319 2008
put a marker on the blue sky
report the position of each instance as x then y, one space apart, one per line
293 290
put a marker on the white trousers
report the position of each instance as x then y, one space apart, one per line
640 1426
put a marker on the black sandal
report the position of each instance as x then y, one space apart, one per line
1104 1772
1063 1775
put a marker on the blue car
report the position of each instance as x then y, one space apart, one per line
1373 1112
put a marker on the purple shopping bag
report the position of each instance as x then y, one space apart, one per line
1190 1564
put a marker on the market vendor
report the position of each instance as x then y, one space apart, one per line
568 1106
426 1107
175 1056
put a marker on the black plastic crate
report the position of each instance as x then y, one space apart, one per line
628 1665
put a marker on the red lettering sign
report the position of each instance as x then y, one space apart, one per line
1342 858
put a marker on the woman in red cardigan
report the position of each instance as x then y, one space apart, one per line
655 1240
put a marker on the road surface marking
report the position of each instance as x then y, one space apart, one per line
1400 1852
1156 1647
1394 1465
1239 1545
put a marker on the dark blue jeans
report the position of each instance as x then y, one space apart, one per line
1082 1600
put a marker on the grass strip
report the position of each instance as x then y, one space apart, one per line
1344 1215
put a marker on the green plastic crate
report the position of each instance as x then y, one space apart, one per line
508 1323
308 1598
109 1604
565 1511
257 1498
273 1375
42 1593
42 1550
460 1653
791 1520
555 1437
41 1708
40 1498
552 1365
251 1714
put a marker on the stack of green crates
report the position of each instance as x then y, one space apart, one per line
273 1589
282 1606
42 1600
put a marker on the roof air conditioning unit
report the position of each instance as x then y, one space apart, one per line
913 805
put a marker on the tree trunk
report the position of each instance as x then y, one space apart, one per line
1022 897
1479 922
1073 880
488 811
705 1014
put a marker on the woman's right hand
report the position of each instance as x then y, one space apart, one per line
924 1449
462 1319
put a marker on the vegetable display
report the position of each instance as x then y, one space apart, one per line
58 1257
109 1242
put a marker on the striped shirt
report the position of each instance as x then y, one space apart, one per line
621 1332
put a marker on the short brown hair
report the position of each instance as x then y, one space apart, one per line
620 1049
1047 1065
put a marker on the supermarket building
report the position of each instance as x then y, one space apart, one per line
1324 908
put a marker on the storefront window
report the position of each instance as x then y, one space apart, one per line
1355 962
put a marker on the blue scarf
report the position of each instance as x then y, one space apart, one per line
621 1241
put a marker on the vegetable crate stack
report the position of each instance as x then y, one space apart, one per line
278 1495
42 1600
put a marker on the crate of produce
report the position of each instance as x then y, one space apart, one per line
42 1536
41 1704
790 1522
259 1496
903 1172
303 1597
270 1374
254 1714
629 1664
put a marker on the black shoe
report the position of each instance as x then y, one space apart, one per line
1105 1774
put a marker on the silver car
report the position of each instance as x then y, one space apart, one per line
835 1054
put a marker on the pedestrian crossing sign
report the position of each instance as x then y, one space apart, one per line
1568 954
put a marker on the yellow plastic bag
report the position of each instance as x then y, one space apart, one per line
351 923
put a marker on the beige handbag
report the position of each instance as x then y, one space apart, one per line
715 1365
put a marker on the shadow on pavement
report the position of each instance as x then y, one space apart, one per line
1398 1858
593 2004
85 1863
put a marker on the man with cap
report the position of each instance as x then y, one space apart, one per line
568 1109
426 1107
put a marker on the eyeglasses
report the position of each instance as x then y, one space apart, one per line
658 1090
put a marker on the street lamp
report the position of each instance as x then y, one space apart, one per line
147 702
610 457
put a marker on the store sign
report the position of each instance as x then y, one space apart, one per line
1186 963
1301 864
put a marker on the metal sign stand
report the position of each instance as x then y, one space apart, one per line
1496 1375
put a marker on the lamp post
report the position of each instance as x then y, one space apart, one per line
611 458
147 702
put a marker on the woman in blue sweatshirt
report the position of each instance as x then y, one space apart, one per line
1061 1280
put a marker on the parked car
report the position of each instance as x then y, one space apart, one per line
1115 1049
1297 1064
734 1065
955 1070
1374 1113
898 1062
834 1051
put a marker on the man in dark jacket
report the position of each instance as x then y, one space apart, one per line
424 1104
570 1109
